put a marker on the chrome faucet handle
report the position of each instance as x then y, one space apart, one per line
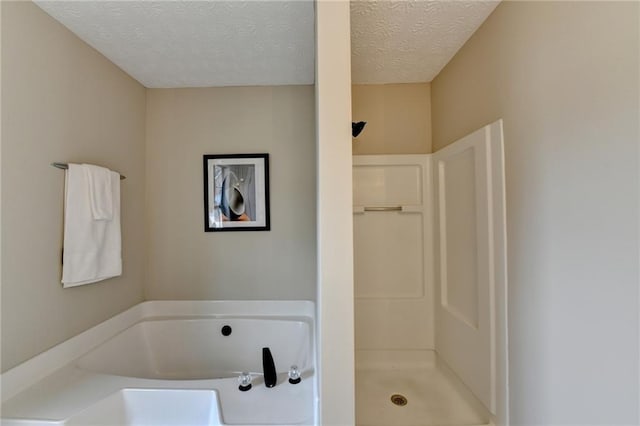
244 381
294 375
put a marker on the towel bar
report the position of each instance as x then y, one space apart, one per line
65 166
383 209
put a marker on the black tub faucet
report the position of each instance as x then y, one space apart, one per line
268 368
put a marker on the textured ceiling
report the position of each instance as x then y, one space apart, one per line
410 41
265 42
198 43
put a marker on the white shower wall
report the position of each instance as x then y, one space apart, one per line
469 254
392 253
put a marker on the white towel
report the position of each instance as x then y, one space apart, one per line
92 247
100 191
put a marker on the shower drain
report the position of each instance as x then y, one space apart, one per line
398 399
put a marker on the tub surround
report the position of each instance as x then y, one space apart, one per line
54 386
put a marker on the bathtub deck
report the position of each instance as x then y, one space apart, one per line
71 390
433 397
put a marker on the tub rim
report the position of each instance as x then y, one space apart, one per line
31 371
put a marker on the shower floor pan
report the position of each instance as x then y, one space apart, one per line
434 396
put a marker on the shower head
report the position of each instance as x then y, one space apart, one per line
356 128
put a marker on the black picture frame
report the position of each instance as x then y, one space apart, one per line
236 192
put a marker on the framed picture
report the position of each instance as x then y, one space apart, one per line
236 192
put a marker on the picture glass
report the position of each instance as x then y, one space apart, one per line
236 195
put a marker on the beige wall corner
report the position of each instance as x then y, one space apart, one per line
184 261
61 101
398 118
335 222
564 76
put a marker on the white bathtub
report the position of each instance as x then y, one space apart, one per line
178 350
195 348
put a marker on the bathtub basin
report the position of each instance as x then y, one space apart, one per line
195 348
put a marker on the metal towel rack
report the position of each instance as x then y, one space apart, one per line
383 209
65 166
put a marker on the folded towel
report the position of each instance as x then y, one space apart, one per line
100 192
92 248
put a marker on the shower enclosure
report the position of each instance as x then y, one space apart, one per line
430 285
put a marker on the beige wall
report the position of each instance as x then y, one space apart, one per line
398 118
564 76
61 101
184 262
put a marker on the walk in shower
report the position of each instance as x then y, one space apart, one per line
429 285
